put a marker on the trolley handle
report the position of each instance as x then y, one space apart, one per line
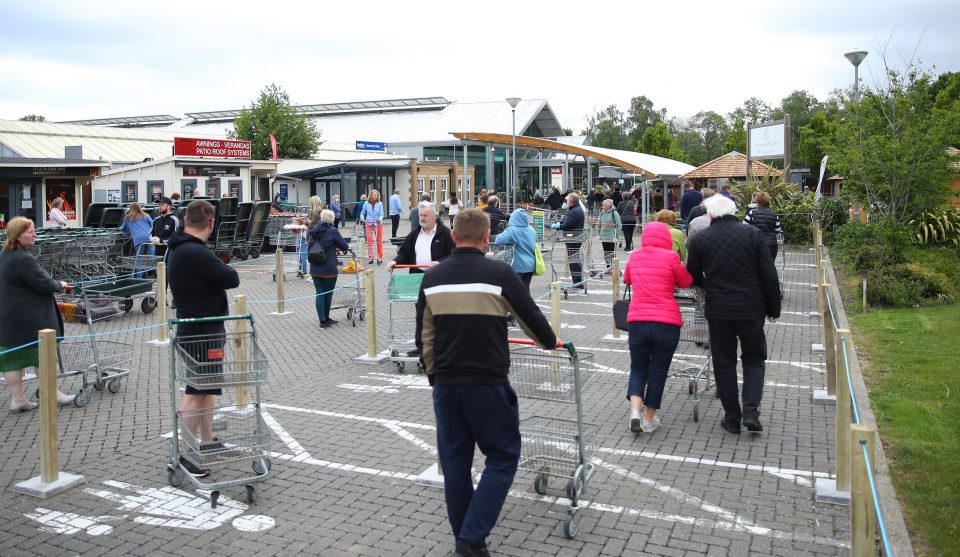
218 319
527 342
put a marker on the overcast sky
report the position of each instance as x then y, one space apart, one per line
103 58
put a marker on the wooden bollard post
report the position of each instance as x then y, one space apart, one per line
240 349
162 300
49 453
279 275
615 283
370 294
829 344
863 520
843 414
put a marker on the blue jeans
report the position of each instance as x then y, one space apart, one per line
324 298
488 416
302 247
651 349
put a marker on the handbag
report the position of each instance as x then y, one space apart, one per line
540 266
620 308
316 254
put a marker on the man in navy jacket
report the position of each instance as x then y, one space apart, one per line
573 223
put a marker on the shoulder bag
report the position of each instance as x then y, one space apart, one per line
620 308
316 254
540 266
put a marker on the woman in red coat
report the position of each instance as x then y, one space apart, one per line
654 321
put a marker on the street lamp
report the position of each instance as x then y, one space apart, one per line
855 58
514 101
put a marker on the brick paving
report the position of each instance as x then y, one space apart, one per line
350 439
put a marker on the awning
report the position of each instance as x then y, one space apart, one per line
334 168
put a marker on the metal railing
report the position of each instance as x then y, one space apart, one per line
856 463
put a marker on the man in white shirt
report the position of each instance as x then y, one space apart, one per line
427 244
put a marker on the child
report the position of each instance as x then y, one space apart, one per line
300 226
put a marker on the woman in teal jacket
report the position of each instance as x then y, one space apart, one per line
521 236
609 224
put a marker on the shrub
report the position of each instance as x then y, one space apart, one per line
886 290
832 213
938 227
931 284
872 246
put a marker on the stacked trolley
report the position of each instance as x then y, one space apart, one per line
402 294
231 361
695 331
100 362
556 447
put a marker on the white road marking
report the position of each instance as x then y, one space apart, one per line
56 522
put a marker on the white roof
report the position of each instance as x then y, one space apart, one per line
659 166
416 128
119 145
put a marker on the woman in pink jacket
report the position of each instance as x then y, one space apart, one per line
654 271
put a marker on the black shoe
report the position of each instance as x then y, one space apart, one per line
752 423
325 325
330 322
193 469
732 427
464 549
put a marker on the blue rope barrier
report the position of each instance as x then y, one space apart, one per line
853 397
21 347
348 285
833 318
874 492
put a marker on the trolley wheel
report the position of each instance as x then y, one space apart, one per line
350 316
174 476
251 493
540 484
241 254
148 305
363 314
254 253
401 367
696 412
419 368
571 525
261 466
99 384
274 276
127 305
214 497
225 256
82 398
114 385
690 387
565 294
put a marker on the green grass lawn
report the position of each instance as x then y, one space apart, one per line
911 361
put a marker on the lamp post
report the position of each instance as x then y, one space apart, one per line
514 101
855 58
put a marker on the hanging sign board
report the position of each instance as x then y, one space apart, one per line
767 141
220 148
371 146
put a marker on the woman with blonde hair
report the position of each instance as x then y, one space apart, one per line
138 225
57 218
315 205
669 218
27 305
372 217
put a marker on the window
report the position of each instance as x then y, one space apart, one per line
444 186
420 182
155 190
187 187
433 189
129 188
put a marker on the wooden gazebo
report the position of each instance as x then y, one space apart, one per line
733 166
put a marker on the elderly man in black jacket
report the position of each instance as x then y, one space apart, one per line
730 260
199 283
427 244
572 225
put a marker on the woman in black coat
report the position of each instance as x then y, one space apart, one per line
325 274
27 305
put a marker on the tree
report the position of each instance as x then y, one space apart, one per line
33 118
567 131
607 128
752 110
946 99
890 146
272 113
640 117
814 138
801 106
658 140
737 140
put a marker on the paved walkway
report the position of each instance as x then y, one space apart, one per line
350 440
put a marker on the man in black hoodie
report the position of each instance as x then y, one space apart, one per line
732 263
199 283
463 304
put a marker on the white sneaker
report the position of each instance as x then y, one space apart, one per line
652 425
636 425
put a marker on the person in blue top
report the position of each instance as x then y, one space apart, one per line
372 217
573 224
395 209
325 274
138 225
521 236
337 210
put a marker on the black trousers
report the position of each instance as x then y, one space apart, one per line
724 334
575 261
396 225
628 235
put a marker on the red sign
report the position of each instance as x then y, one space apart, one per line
221 148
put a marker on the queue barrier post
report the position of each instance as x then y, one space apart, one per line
863 519
838 490
51 481
281 296
369 292
163 338
240 347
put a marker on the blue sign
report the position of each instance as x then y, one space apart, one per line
371 146
283 192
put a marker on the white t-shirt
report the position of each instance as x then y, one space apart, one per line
452 208
422 246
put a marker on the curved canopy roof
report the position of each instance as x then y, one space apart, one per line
650 166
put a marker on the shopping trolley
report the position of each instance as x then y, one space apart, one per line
783 260
349 295
556 447
99 361
231 360
402 293
695 331
502 253
290 236
571 248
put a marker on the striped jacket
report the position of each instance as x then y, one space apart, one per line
462 319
